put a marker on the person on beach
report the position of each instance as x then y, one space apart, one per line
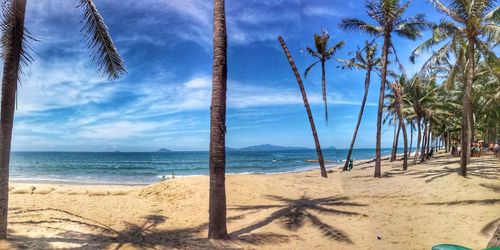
454 150
496 149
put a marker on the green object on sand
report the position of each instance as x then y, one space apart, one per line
449 247
350 164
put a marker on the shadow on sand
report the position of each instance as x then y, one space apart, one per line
486 168
293 213
77 232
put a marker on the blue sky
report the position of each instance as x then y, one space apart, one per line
163 101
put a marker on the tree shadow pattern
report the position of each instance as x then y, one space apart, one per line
486 169
293 213
466 202
89 234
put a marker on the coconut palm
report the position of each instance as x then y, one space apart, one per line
365 59
323 53
388 15
217 228
396 88
15 48
306 105
475 22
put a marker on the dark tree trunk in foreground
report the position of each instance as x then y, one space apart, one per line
385 52
217 204
466 130
306 105
360 116
12 57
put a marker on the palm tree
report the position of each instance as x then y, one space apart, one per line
217 228
396 88
476 22
306 105
368 62
323 54
14 52
388 16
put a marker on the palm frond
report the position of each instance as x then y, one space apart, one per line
15 37
354 24
443 9
104 52
331 51
309 68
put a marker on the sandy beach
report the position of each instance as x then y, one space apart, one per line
425 206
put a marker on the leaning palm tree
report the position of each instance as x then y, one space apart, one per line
323 54
306 105
476 22
15 53
389 18
217 228
367 61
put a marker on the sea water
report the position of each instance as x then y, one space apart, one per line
147 167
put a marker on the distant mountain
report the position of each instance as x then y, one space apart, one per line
269 147
163 150
332 147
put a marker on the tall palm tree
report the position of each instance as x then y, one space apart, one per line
14 52
388 14
396 88
323 53
306 105
476 22
217 228
367 61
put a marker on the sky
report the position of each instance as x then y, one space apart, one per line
164 100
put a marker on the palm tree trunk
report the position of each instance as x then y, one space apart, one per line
419 138
405 142
398 102
323 88
306 105
12 57
385 51
360 116
429 137
217 162
411 138
424 143
396 140
466 130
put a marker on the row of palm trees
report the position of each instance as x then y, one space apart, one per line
418 101
430 101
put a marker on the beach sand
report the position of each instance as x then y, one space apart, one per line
427 205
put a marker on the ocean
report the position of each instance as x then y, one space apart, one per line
146 168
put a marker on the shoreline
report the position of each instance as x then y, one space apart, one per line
330 166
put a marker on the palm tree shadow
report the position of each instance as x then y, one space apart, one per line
86 233
485 169
293 214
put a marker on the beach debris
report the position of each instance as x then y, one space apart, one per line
379 237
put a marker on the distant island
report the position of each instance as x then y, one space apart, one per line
266 147
163 150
